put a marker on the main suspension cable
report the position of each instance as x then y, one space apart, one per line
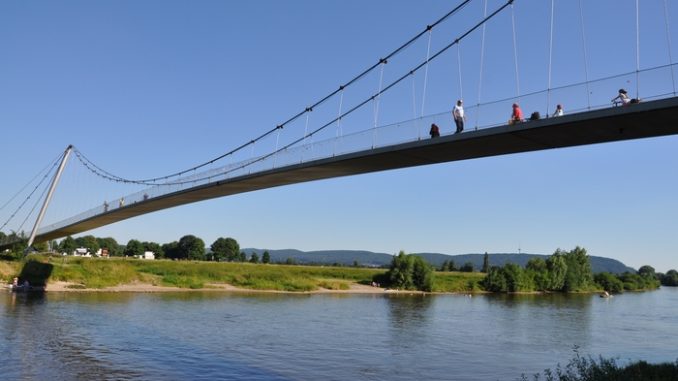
155 180
285 147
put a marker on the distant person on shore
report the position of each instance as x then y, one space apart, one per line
516 115
559 111
434 131
623 99
459 117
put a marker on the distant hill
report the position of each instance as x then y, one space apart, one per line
371 259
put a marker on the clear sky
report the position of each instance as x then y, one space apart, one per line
146 88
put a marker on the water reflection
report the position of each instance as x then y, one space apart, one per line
126 336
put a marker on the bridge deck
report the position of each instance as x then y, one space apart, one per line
644 120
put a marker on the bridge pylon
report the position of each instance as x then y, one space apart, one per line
45 204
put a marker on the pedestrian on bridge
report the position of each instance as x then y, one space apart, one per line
434 131
516 115
559 111
624 99
459 117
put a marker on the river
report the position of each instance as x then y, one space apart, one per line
233 336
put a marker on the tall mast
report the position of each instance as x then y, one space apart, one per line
55 181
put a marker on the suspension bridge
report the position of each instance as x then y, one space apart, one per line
375 147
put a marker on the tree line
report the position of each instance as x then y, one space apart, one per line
566 271
188 247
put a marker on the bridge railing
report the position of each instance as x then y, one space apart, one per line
655 83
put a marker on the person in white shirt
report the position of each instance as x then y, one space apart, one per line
459 117
559 111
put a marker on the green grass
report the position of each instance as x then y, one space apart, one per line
101 273
452 281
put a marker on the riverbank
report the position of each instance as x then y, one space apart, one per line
66 274
213 287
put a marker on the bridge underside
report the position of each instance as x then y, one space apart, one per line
644 120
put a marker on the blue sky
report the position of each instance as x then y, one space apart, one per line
146 88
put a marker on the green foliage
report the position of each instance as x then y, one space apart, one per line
226 249
448 265
609 282
89 242
266 257
133 248
68 245
486 263
191 247
556 270
111 244
634 282
41 247
171 250
495 281
155 248
670 278
467 267
410 272
647 271
578 276
563 271
254 258
583 368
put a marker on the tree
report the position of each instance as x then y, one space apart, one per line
410 272
111 245
134 248
154 247
266 257
191 247
514 278
495 281
445 265
254 258
467 267
171 250
451 266
670 278
89 242
557 269
486 263
242 257
400 272
647 271
225 249
609 282
422 275
41 247
579 276
68 245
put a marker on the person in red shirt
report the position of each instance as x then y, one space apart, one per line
517 115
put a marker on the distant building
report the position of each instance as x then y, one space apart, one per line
146 255
102 252
81 252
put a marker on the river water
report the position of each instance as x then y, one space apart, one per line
222 336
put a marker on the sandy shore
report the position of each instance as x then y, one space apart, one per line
354 288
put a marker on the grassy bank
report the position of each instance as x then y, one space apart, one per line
102 273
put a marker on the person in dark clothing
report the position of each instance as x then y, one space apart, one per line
435 131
